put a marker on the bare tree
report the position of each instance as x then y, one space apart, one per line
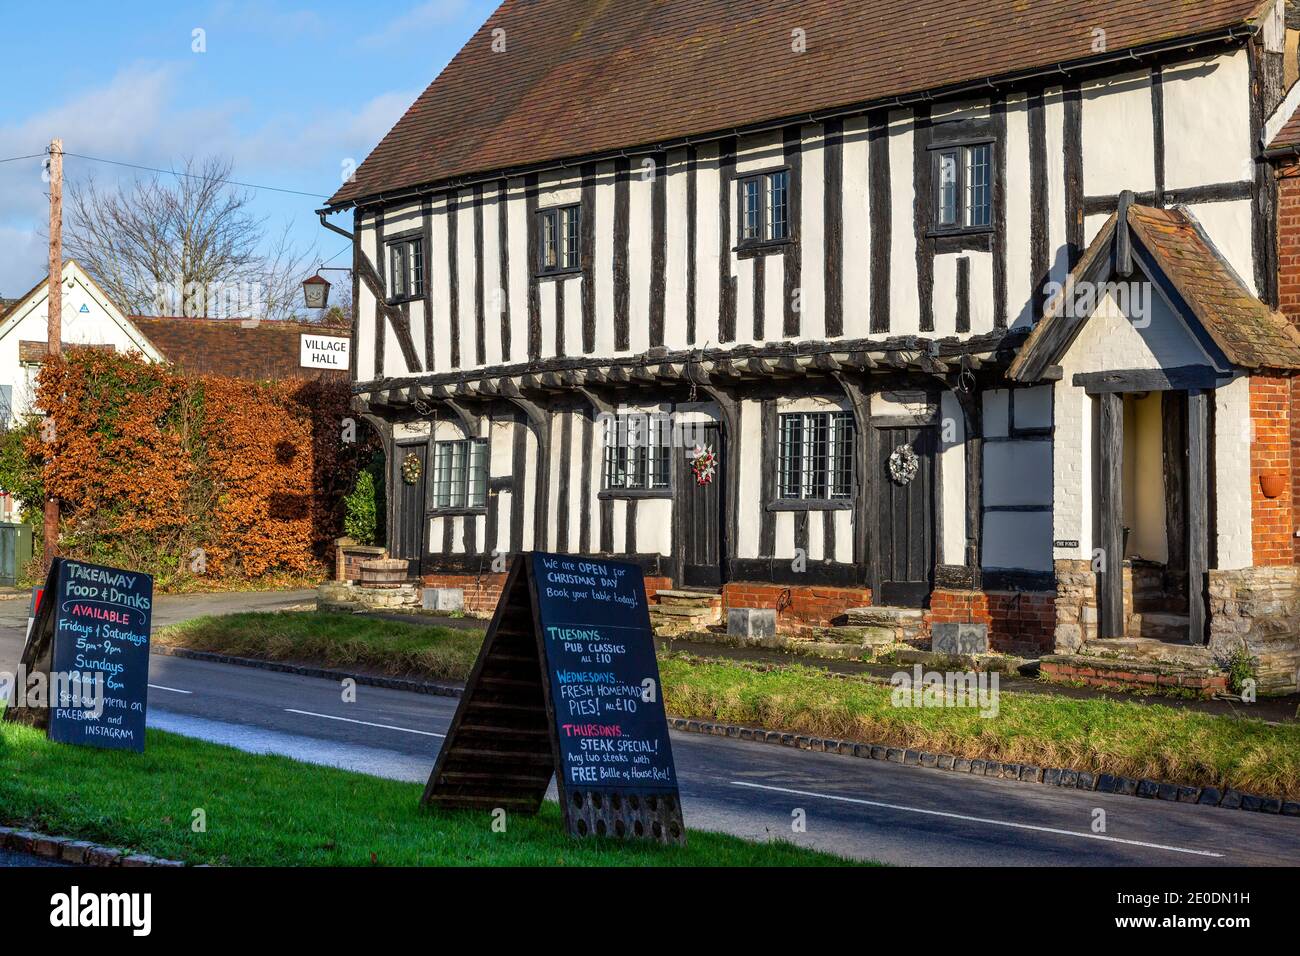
184 244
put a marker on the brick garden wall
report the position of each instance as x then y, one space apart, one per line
799 609
1019 622
483 591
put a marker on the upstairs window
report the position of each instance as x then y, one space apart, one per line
637 452
765 207
460 474
558 244
815 456
963 185
405 269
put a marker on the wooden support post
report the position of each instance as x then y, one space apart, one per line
1198 507
731 452
972 406
539 419
1110 504
860 401
54 312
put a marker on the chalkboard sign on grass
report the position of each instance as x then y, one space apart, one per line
566 684
86 661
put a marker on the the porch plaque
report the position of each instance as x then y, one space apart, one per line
567 684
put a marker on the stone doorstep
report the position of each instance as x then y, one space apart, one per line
669 610
74 851
879 616
1149 649
1025 773
702 598
862 636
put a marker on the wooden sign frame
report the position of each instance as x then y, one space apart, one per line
503 745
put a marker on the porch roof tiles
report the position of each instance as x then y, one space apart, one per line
1250 334
1247 331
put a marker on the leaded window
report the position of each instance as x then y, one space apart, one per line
460 474
815 456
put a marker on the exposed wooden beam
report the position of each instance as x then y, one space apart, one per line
1110 505
1198 513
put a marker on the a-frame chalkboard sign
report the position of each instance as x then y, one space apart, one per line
567 684
88 653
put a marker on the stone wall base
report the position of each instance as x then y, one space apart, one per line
1259 609
341 596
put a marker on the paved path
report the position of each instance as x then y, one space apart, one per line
9 858
863 808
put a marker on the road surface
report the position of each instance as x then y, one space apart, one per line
863 808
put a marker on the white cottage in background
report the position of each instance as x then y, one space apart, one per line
89 318
977 318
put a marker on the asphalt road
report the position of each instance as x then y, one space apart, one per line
863 808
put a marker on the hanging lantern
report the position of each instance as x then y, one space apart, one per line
316 291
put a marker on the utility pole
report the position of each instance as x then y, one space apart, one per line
54 311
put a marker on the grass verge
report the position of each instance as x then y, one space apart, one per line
333 640
1103 735
266 810
1098 734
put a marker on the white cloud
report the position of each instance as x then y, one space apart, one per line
140 116
422 17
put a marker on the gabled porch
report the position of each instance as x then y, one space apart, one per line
1169 463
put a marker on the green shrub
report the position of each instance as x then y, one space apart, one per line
364 506
20 473
1241 668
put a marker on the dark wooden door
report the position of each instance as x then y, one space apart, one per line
699 521
905 529
408 501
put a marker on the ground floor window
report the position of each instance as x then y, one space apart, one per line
636 452
815 457
460 474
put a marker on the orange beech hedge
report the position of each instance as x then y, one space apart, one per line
193 475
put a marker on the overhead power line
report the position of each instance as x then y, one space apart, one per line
172 172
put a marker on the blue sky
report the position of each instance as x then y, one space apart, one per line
290 91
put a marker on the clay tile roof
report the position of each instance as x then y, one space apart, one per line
584 77
33 353
1289 135
1250 334
268 350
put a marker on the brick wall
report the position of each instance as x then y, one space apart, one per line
483 591
1019 622
1289 302
348 558
799 609
1271 452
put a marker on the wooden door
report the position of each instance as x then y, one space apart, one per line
408 502
905 525
701 514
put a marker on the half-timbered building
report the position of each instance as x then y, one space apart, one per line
966 308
